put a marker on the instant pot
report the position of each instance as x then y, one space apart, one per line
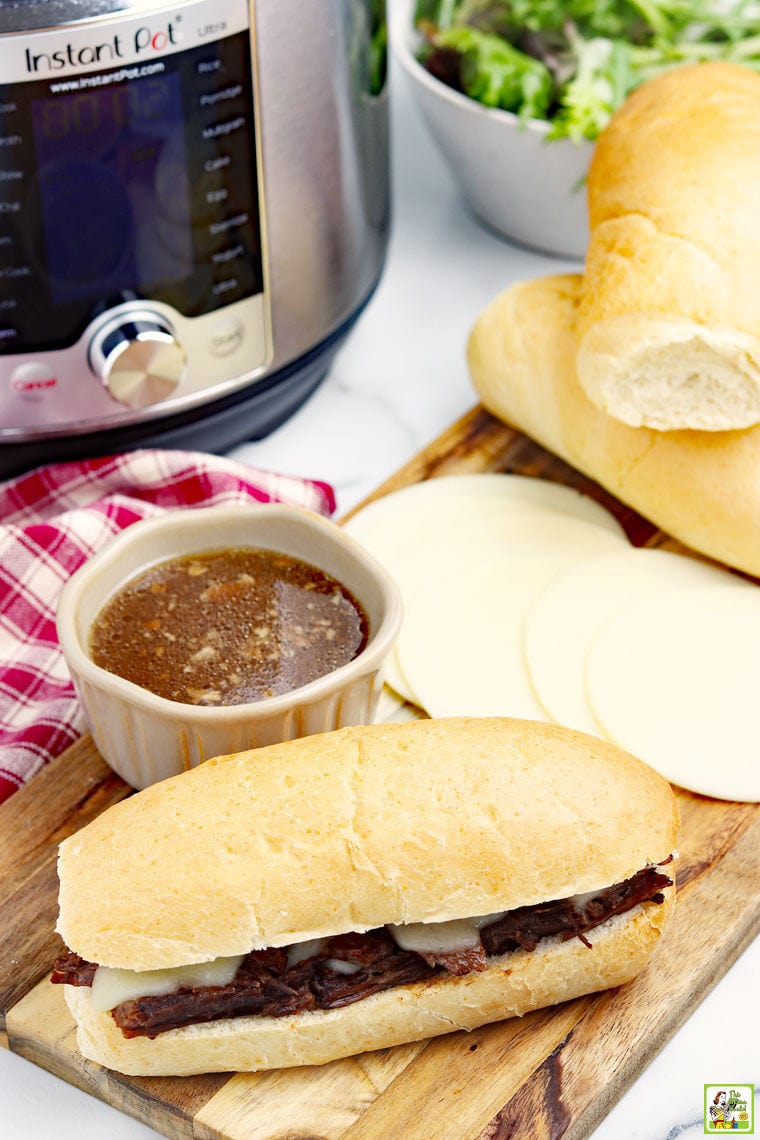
194 209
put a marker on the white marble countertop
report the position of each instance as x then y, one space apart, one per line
399 381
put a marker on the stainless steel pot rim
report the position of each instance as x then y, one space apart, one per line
33 15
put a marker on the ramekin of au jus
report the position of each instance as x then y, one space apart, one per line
208 631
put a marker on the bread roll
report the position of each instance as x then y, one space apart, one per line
336 832
701 487
348 831
669 319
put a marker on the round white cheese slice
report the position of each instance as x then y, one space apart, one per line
396 680
674 681
421 511
461 642
393 527
398 528
563 621
524 532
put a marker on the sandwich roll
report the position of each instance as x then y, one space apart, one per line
669 316
360 889
702 487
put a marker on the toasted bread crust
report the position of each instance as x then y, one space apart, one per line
700 487
670 302
424 821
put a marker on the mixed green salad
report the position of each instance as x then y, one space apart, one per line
573 63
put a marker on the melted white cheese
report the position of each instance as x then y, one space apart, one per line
299 951
441 937
110 987
580 901
340 967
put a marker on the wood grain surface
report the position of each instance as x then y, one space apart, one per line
554 1073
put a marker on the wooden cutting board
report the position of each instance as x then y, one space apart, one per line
555 1073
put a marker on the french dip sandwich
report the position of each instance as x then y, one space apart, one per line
360 889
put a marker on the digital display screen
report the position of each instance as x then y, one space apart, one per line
113 187
118 186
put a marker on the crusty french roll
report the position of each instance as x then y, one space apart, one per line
417 822
669 319
701 487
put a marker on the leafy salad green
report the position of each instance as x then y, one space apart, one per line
574 63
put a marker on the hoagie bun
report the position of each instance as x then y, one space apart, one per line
670 302
700 487
425 822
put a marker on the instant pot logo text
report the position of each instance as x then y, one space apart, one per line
137 43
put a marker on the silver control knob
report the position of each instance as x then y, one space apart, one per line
138 359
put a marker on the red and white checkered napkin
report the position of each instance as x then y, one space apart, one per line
51 521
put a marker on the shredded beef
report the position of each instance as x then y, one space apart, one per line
254 991
524 927
461 961
72 970
361 949
265 985
386 967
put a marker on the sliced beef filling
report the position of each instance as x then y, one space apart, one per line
524 927
72 970
349 967
459 961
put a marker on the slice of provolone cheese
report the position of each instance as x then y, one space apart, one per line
403 524
418 512
412 529
110 987
442 937
451 556
674 681
563 621
396 679
461 642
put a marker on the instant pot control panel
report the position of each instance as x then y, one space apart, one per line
132 275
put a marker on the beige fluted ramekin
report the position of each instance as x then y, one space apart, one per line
146 738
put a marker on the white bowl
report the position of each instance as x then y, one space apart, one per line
527 188
145 737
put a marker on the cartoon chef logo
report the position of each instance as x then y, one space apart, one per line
729 1109
720 1113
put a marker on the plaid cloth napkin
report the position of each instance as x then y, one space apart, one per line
51 521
